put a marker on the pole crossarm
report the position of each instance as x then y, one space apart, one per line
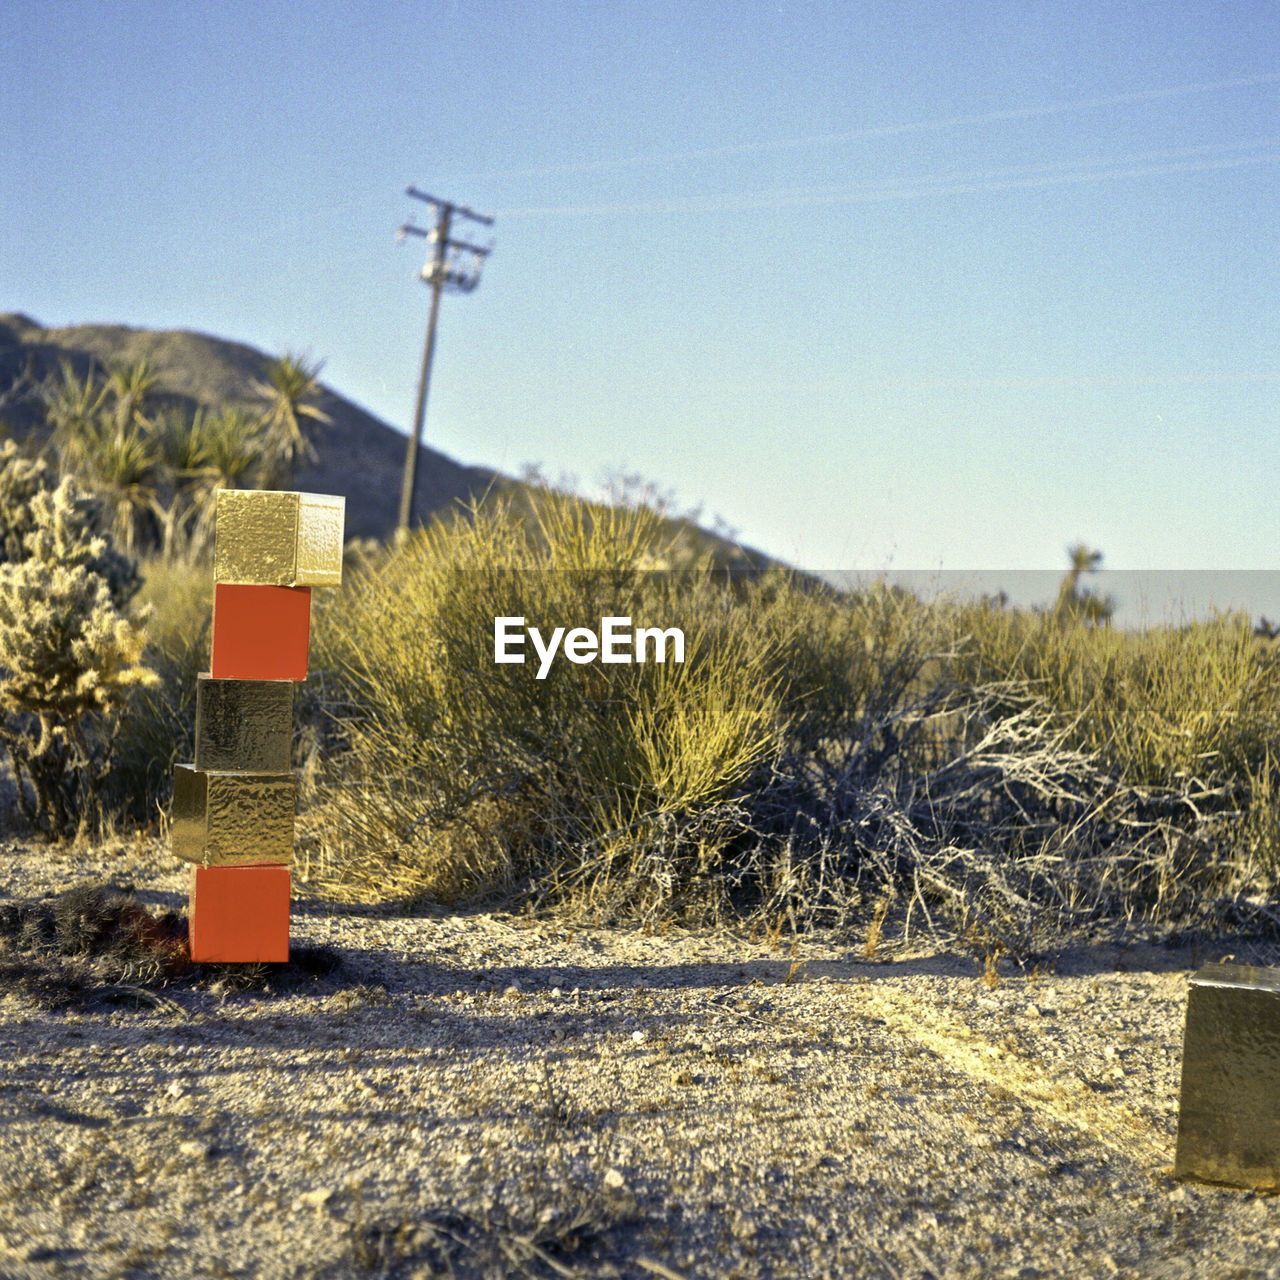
412 229
461 210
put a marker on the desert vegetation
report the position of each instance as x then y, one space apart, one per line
70 650
820 758
154 466
999 774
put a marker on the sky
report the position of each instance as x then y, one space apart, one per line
883 286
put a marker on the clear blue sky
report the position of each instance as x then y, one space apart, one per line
886 285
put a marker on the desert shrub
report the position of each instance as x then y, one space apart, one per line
460 776
157 727
1182 726
86 946
951 777
70 653
21 478
1196 707
999 775
855 662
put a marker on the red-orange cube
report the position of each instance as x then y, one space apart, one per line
260 633
239 915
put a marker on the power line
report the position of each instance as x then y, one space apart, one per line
1089 170
453 264
869 132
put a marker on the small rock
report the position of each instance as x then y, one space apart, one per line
315 1199
195 1150
614 1180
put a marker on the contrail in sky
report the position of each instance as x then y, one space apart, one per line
1059 173
883 131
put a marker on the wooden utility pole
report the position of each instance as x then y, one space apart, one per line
444 269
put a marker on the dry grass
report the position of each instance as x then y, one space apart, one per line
460 777
90 946
973 771
997 775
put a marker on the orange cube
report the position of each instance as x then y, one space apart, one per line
260 633
239 915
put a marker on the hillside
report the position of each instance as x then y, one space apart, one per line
359 455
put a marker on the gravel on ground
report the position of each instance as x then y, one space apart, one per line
495 1095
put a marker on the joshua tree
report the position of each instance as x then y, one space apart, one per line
155 474
126 473
180 446
102 437
229 446
1079 604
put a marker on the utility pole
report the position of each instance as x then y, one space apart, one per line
444 268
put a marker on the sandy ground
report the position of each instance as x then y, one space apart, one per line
480 1095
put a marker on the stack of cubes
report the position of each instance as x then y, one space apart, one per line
233 807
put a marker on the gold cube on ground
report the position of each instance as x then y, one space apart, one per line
244 726
273 538
1229 1103
223 819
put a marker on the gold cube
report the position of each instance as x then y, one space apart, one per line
244 726
1229 1103
224 819
273 538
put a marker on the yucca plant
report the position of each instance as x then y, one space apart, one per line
290 393
180 446
1076 603
125 469
228 443
101 435
181 443
73 407
232 446
129 385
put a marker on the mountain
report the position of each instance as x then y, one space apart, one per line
359 455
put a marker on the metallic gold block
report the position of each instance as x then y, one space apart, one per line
1229 1108
222 819
272 538
244 725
